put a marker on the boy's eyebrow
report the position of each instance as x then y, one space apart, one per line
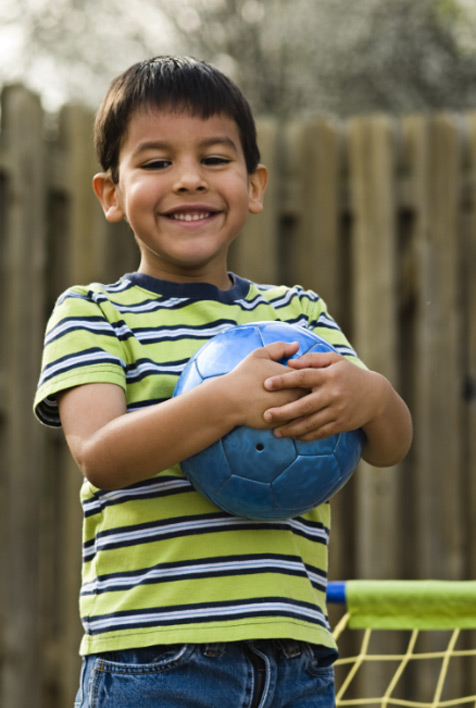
206 142
219 140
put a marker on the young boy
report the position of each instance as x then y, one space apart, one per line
182 604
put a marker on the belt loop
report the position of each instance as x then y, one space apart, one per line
216 649
290 648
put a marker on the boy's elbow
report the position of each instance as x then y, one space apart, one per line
107 471
96 471
391 448
384 459
97 478
93 475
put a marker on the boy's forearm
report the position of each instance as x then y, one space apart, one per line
136 446
114 448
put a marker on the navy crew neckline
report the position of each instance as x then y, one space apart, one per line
198 291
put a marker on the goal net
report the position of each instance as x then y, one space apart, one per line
404 643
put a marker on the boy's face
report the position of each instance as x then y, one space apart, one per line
185 191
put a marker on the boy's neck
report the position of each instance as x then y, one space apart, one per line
222 281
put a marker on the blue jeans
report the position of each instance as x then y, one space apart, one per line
257 674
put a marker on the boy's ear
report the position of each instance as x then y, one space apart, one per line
106 191
258 181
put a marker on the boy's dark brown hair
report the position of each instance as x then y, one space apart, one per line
170 83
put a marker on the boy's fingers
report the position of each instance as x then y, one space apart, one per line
278 350
293 379
305 434
316 360
299 409
303 372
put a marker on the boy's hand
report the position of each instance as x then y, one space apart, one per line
338 397
245 383
341 397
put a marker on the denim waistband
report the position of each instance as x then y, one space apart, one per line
289 647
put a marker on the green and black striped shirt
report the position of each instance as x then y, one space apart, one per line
162 564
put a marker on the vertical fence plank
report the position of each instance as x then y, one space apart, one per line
372 171
435 146
254 254
316 244
81 262
22 459
4 589
469 458
318 261
469 388
79 164
372 165
292 245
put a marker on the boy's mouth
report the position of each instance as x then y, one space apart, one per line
189 215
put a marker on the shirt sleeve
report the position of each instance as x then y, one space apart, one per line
325 326
81 346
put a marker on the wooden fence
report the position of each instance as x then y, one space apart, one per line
379 216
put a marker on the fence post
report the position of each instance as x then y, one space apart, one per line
435 150
82 262
372 152
372 168
254 254
315 161
469 342
23 273
317 258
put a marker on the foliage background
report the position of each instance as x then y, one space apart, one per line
307 56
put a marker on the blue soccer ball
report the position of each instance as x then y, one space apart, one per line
249 472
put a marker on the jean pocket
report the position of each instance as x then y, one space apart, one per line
146 660
320 660
139 677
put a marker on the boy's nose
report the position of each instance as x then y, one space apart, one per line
191 179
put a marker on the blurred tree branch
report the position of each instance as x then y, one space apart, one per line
314 56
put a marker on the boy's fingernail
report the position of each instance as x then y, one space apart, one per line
268 416
278 434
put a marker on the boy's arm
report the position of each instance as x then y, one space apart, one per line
114 448
342 397
389 432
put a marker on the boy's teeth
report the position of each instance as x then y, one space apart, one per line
181 216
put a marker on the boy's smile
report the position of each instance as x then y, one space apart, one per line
185 191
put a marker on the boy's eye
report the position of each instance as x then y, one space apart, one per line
156 165
215 160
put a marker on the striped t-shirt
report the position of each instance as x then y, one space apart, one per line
162 564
